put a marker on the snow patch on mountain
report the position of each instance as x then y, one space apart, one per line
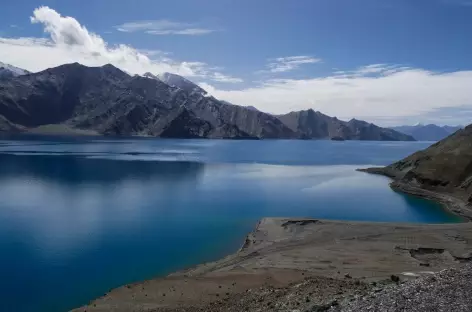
7 70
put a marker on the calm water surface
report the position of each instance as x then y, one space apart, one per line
79 216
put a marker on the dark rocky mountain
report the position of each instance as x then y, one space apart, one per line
445 166
310 124
106 100
186 125
109 101
252 108
428 132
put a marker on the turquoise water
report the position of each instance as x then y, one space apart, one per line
79 216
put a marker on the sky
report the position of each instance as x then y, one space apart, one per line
390 62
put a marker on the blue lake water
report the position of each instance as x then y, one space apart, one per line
79 216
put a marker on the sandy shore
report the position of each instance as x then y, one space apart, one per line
280 253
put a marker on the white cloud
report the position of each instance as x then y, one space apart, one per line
224 78
284 64
188 31
372 69
395 93
69 42
164 27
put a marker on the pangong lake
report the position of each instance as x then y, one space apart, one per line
80 216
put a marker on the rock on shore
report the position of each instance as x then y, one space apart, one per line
446 291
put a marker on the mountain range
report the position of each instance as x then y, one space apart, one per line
106 100
310 124
428 132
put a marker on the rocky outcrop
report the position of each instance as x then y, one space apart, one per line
186 125
314 125
10 71
444 167
7 126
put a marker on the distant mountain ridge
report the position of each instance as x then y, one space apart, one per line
109 101
315 125
430 132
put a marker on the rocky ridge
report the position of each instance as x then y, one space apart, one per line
315 125
108 101
10 71
445 168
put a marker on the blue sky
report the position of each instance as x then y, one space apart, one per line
390 62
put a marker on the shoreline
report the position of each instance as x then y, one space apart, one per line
281 254
448 201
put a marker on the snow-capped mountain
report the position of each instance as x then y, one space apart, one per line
151 76
174 80
7 71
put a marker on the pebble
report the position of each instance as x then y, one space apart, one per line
448 290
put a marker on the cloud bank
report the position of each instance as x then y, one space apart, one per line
69 42
388 95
